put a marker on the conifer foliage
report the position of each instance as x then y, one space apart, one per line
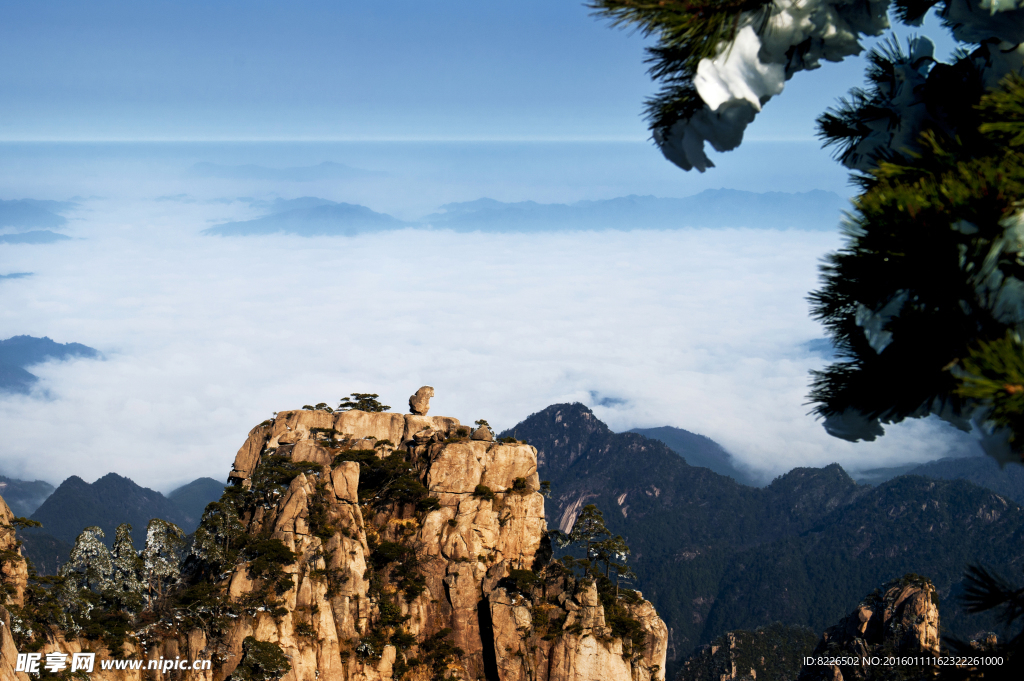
925 303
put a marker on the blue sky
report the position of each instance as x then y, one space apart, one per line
314 69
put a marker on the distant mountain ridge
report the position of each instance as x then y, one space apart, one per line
36 236
324 219
19 352
714 555
699 450
713 208
107 503
24 496
981 470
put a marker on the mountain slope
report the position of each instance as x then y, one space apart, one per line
107 503
714 555
24 496
698 450
24 351
19 352
193 497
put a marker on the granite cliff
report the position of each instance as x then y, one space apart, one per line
370 546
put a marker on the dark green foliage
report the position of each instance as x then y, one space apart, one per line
987 591
428 504
274 473
993 374
522 580
686 32
393 479
588 527
520 486
268 558
437 652
261 661
405 573
320 406
926 244
483 492
305 630
318 520
22 523
111 627
362 402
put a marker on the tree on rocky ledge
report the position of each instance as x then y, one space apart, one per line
925 303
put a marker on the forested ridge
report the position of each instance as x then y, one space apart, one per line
714 555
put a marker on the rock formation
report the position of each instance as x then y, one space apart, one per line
900 619
772 653
361 546
13 580
419 403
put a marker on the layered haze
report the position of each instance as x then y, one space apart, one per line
204 336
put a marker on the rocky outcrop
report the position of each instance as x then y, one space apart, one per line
419 403
371 553
901 619
13 578
772 653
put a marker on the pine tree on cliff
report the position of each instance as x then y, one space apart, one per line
925 303
125 587
588 528
161 559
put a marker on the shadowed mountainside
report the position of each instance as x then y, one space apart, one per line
699 450
19 352
714 555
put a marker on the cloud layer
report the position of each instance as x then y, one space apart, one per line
205 337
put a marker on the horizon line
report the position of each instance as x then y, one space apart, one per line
307 140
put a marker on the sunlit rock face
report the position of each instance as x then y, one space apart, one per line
390 580
900 619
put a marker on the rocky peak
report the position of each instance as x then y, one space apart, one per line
899 619
377 546
569 429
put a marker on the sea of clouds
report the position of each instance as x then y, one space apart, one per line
204 337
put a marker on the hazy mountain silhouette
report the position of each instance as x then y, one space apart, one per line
43 236
713 208
19 352
323 219
699 450
24 496
30 213
193 497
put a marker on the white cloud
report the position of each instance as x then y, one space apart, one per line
205 337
